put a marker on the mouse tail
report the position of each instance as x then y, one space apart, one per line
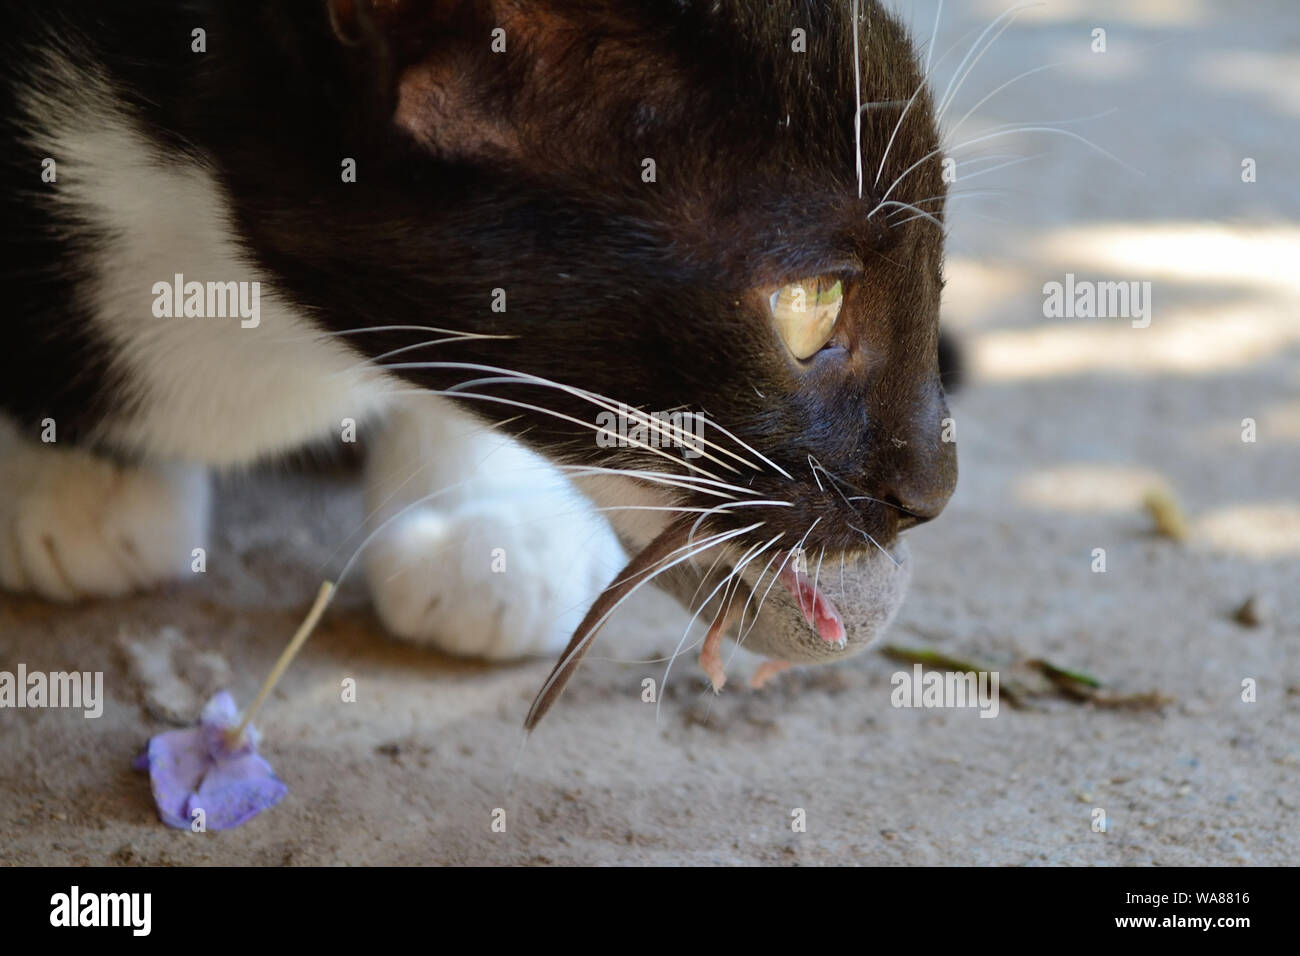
650 561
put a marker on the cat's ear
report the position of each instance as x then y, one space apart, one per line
395 33
435 57
359 22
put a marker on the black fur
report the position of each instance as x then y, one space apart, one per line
522 171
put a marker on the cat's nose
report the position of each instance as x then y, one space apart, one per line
915 509
922 469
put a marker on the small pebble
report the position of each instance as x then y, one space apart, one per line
1166 513
1253 612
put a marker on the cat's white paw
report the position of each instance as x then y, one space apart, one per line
502 565
498 581
74 525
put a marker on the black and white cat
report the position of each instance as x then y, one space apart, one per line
483 230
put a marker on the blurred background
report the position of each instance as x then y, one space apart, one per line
1064 427
1068 424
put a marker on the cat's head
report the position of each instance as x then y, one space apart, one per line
660 207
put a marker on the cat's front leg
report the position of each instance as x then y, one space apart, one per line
75 525
486 549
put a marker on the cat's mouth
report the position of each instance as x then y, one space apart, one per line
819 611
800 622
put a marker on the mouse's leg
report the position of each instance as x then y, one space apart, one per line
75 525
766 671
711 650
487 550
711 654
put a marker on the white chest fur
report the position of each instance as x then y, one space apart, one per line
212 388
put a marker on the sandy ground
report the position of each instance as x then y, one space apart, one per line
1066 423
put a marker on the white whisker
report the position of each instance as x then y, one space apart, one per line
621 408
790 554
576 421
591 631
999 89
920 213
735 572
876 543
857 111
687 482
1053 130
958 76
934 38
740 624
817 576
897 126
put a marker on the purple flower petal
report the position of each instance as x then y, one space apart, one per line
197 769
178 760
220 711
236 790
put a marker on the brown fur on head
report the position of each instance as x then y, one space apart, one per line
507 146
522 170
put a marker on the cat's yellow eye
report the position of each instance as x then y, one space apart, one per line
805 313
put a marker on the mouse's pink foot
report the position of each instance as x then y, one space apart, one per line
711 652
766 671
711 655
